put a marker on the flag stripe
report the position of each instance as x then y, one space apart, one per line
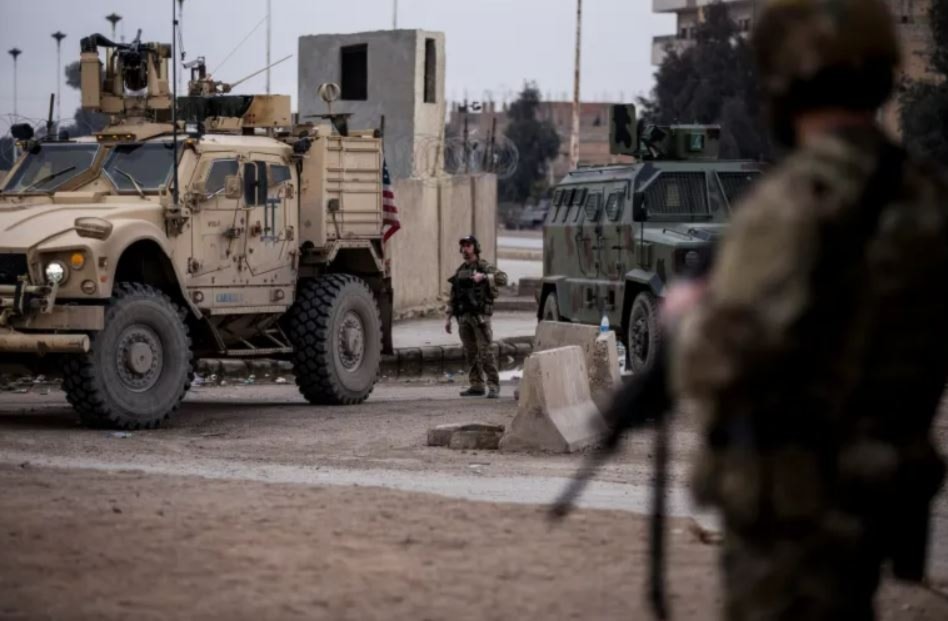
390 222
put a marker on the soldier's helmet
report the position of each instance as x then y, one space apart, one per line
470 239
825 53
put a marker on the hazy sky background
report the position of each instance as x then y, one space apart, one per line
492 45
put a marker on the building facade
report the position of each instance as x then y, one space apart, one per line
395 74
911 17
593 130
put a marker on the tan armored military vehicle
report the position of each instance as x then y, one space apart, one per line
122 266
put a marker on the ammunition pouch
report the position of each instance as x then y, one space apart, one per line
469 297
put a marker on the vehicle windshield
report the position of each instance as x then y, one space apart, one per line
146 164
51 166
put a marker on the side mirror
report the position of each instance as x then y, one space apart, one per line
639 212
232 186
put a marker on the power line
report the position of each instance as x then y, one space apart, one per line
244 40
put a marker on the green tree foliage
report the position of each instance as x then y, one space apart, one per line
714 81
537 143
925 104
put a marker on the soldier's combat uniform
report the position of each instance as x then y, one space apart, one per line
817 362
472 304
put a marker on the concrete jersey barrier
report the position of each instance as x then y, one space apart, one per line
556 412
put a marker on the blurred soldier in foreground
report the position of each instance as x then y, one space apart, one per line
473 291
817 358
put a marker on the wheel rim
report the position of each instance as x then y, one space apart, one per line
139 358
351 339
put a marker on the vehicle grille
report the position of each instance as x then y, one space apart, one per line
12 266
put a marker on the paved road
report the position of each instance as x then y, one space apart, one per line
520 241
251 497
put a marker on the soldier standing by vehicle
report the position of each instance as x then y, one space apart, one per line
473 291
817 359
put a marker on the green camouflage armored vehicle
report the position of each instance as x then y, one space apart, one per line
616 236
121 264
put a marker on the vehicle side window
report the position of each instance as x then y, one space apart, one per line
678 194
279 174
614 205
735 184
220 170
576 204
562 208
557 197
593 207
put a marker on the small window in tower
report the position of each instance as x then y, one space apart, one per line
355 72
431 71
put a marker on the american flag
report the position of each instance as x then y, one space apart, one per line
390 223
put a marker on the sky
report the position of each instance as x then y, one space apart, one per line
493 46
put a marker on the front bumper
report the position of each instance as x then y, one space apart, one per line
13 342
31 322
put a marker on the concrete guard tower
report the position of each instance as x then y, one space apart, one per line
395 73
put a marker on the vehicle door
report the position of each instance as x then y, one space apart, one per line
588 236
216 222
271 222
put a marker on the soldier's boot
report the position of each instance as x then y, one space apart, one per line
473 391
493 393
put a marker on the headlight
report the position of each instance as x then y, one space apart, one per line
56 273
692 259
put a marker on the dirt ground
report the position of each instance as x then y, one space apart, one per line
251 505
94 545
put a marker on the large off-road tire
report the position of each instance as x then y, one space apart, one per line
337 340
551 308
139 367
643 337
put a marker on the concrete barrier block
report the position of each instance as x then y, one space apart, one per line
453 353
409 361
469 436
599 352
555 411
432 355
604 377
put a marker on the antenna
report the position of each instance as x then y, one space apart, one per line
255 73
174 100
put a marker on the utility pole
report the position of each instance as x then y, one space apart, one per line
269 16
180 41
574 134
395 15
14 52
59 36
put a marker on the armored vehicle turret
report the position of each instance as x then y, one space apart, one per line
615 236
232 233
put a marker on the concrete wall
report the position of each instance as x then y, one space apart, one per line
435 214
396 86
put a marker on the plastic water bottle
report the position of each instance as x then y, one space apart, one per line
620 348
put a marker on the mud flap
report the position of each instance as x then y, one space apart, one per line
386 310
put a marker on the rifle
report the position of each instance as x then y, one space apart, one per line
644 400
